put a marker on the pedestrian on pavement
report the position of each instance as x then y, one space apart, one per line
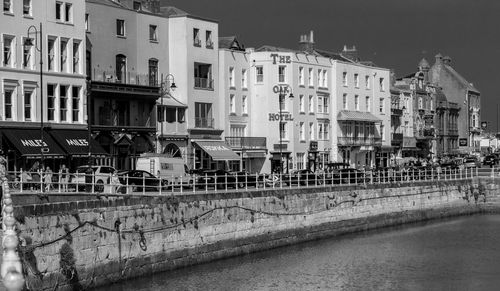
47 178
64 176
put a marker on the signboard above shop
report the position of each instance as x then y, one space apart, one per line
462 142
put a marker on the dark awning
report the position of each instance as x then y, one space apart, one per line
76 144
29 143
346 115
218 150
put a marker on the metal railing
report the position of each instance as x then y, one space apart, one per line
203 122
203 83
113 184
129 77
342 140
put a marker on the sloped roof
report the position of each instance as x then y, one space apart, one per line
461 79
230 42
169 11
332 55
170 101
269 48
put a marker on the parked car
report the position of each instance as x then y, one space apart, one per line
490 160
244 178
349 176
216 178
86 176
470 162
139 180
302 177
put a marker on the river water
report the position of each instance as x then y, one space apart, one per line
456 254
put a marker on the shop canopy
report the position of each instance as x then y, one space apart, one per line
30 144
76 143
346 115
218 150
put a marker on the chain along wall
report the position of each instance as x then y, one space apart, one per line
102 239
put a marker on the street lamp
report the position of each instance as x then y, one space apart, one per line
39 47
166 84
282 90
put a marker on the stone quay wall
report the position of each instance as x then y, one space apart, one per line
72 242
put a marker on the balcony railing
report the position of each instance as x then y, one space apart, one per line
367 141
247 143
203 122
204 83
397 137
453 132
128 78
396 111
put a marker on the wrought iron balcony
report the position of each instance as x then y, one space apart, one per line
127 78
359 141
397 137
396 111
247 143
203 122
203 83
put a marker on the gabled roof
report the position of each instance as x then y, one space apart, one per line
461 79
269 48
230 42
169 11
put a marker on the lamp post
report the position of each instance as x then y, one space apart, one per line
165 86
39 47
282 90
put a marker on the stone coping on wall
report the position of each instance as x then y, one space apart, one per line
49 203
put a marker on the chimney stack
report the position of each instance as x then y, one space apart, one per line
350 53
306 43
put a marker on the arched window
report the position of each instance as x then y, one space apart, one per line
121 68
420 103
153 72
173 151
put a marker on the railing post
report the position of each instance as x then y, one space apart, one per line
143 185
246 181
206 182
225 178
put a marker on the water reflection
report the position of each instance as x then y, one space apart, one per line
457 254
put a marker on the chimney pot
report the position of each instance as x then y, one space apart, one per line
311 37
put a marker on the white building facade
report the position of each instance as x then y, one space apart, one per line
57 33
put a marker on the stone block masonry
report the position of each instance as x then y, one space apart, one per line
96 240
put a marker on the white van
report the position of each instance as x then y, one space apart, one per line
173 170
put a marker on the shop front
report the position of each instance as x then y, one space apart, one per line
79 149
213 155
25 148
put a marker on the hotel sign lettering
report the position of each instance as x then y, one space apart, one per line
281 59
284 117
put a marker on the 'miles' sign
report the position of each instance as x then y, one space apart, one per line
33 143
77 142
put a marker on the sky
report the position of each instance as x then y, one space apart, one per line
394 34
